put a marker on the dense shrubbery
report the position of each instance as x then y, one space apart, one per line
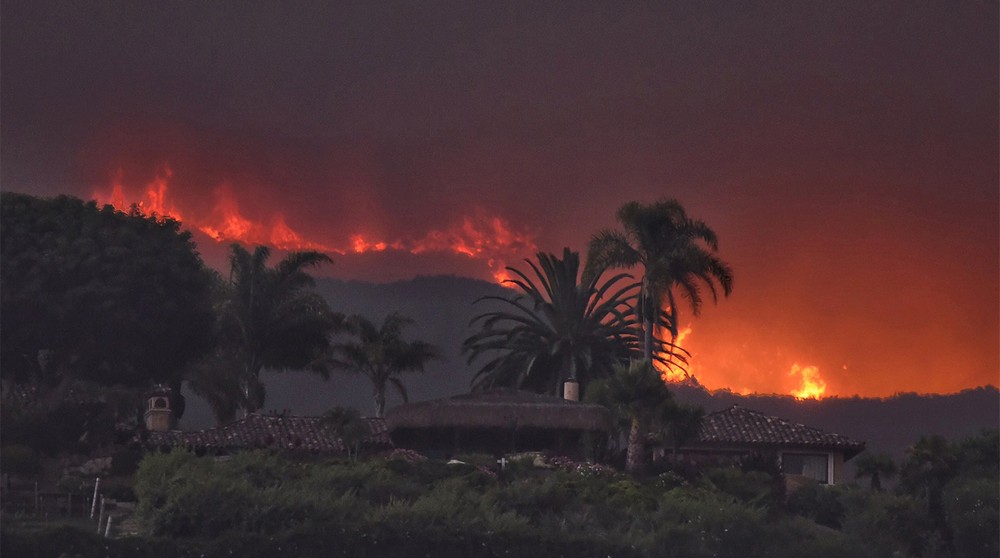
259 504
429 504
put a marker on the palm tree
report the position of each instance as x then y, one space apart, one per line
680 424
267 318
676 253
347 424
929 465
381 354
636 395
559 329
877 466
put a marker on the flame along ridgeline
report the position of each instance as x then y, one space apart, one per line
801 381
481 236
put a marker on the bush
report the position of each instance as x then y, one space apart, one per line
972 510
257 502
755 487
888 524
818 502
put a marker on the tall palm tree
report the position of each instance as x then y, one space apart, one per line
267 318
675 253
636 395
560 328
381 354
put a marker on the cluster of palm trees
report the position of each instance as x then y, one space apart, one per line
590 324
268 317
606 334
572 325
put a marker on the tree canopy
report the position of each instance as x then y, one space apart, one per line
267 317
562 327
92 293
675 252
381 354
636 395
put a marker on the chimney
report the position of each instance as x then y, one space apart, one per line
159 415
571 390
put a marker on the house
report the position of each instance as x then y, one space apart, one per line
498 421
305 435
802 451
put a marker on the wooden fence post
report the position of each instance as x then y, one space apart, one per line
93 505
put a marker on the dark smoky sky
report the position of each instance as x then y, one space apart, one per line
845 152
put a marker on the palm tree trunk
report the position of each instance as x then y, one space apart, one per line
876 482
647 322
633 459
380 402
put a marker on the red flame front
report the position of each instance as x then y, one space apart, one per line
480 236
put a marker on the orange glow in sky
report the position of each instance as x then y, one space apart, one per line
800 381
728 354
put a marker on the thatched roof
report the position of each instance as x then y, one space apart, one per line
500 409
739 426
266 431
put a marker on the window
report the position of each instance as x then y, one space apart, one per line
810 465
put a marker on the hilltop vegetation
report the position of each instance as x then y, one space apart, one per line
401 504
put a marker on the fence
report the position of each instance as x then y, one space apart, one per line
53 505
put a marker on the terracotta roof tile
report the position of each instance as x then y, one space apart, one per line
267 431
741 426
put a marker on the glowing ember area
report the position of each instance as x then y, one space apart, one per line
153 200
479 236
812 386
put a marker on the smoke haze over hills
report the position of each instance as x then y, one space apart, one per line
846 153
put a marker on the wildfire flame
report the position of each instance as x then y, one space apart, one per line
809 384
479 236
813 386
680 371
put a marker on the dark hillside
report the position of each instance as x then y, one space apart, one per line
887 425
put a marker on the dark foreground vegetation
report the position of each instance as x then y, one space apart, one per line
260 504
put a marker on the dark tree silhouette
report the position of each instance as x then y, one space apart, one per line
676 253
560 328
636 395
266 318
92 293
381 354
929 465
877 467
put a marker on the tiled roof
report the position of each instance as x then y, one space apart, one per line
266 431
741 426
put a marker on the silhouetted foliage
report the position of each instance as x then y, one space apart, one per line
267 317
562 327
97 294
381 354
636 395
349 427
878 467
675 253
